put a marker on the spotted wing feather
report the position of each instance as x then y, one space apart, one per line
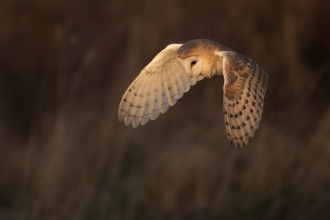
244 92
159 85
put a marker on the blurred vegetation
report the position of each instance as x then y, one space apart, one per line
64 66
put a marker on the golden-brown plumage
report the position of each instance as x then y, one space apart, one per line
171 73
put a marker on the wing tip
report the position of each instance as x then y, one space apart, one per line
120 118
135 122
238 142
121 113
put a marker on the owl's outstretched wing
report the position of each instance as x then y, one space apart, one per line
244 88
159 85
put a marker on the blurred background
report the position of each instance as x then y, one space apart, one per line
64 66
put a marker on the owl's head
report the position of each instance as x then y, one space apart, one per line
190 57
195 56
192 65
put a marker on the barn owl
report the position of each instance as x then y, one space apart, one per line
171 73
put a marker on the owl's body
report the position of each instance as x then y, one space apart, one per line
171 73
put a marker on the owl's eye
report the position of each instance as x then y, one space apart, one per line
193 63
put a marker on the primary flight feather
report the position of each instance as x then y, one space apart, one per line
171 73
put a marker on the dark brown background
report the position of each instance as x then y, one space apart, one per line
64 66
